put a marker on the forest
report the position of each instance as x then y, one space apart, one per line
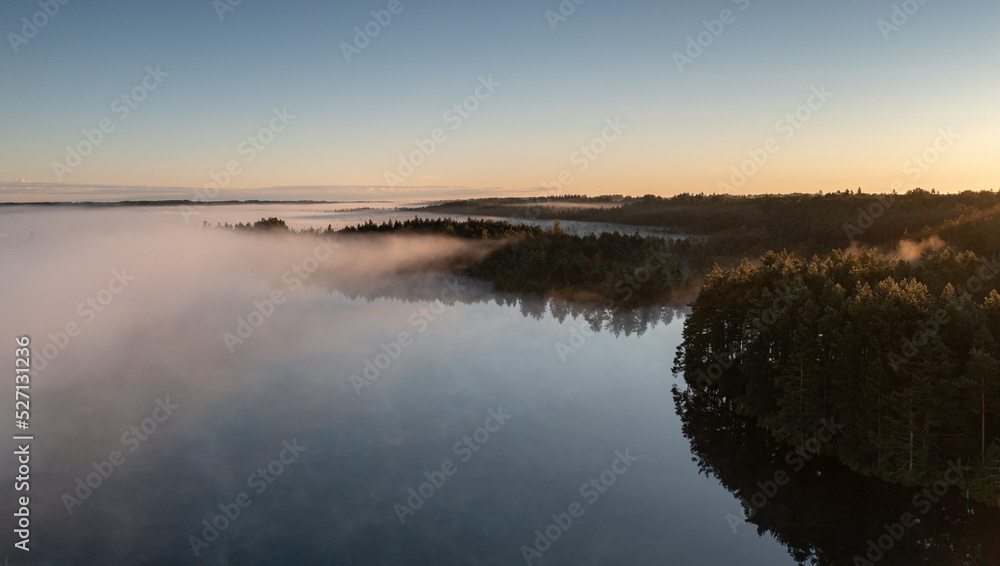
878 312
903 354
613 270
748 226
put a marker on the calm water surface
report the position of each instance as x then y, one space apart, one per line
377 420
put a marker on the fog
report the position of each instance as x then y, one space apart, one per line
910 250
316 354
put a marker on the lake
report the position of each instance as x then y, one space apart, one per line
205 397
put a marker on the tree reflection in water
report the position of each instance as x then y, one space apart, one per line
826 514
429 287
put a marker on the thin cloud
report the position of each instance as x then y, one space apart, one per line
31 191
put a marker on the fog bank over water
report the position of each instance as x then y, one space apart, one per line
163 271
208 396
379 375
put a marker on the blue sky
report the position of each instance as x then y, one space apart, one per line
895 93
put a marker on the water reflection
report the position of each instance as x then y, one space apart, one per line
335 504
163 339
827 514
429 286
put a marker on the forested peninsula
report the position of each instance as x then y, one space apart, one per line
876 312
901 355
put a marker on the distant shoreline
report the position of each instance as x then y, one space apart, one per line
185 202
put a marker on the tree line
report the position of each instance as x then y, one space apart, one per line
614 270
748 226
903 354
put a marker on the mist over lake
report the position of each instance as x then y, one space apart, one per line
479 283
223 398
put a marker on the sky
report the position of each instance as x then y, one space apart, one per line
290 100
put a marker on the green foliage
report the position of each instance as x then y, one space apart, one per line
902 354
747 226
262 225
614 269
471 228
